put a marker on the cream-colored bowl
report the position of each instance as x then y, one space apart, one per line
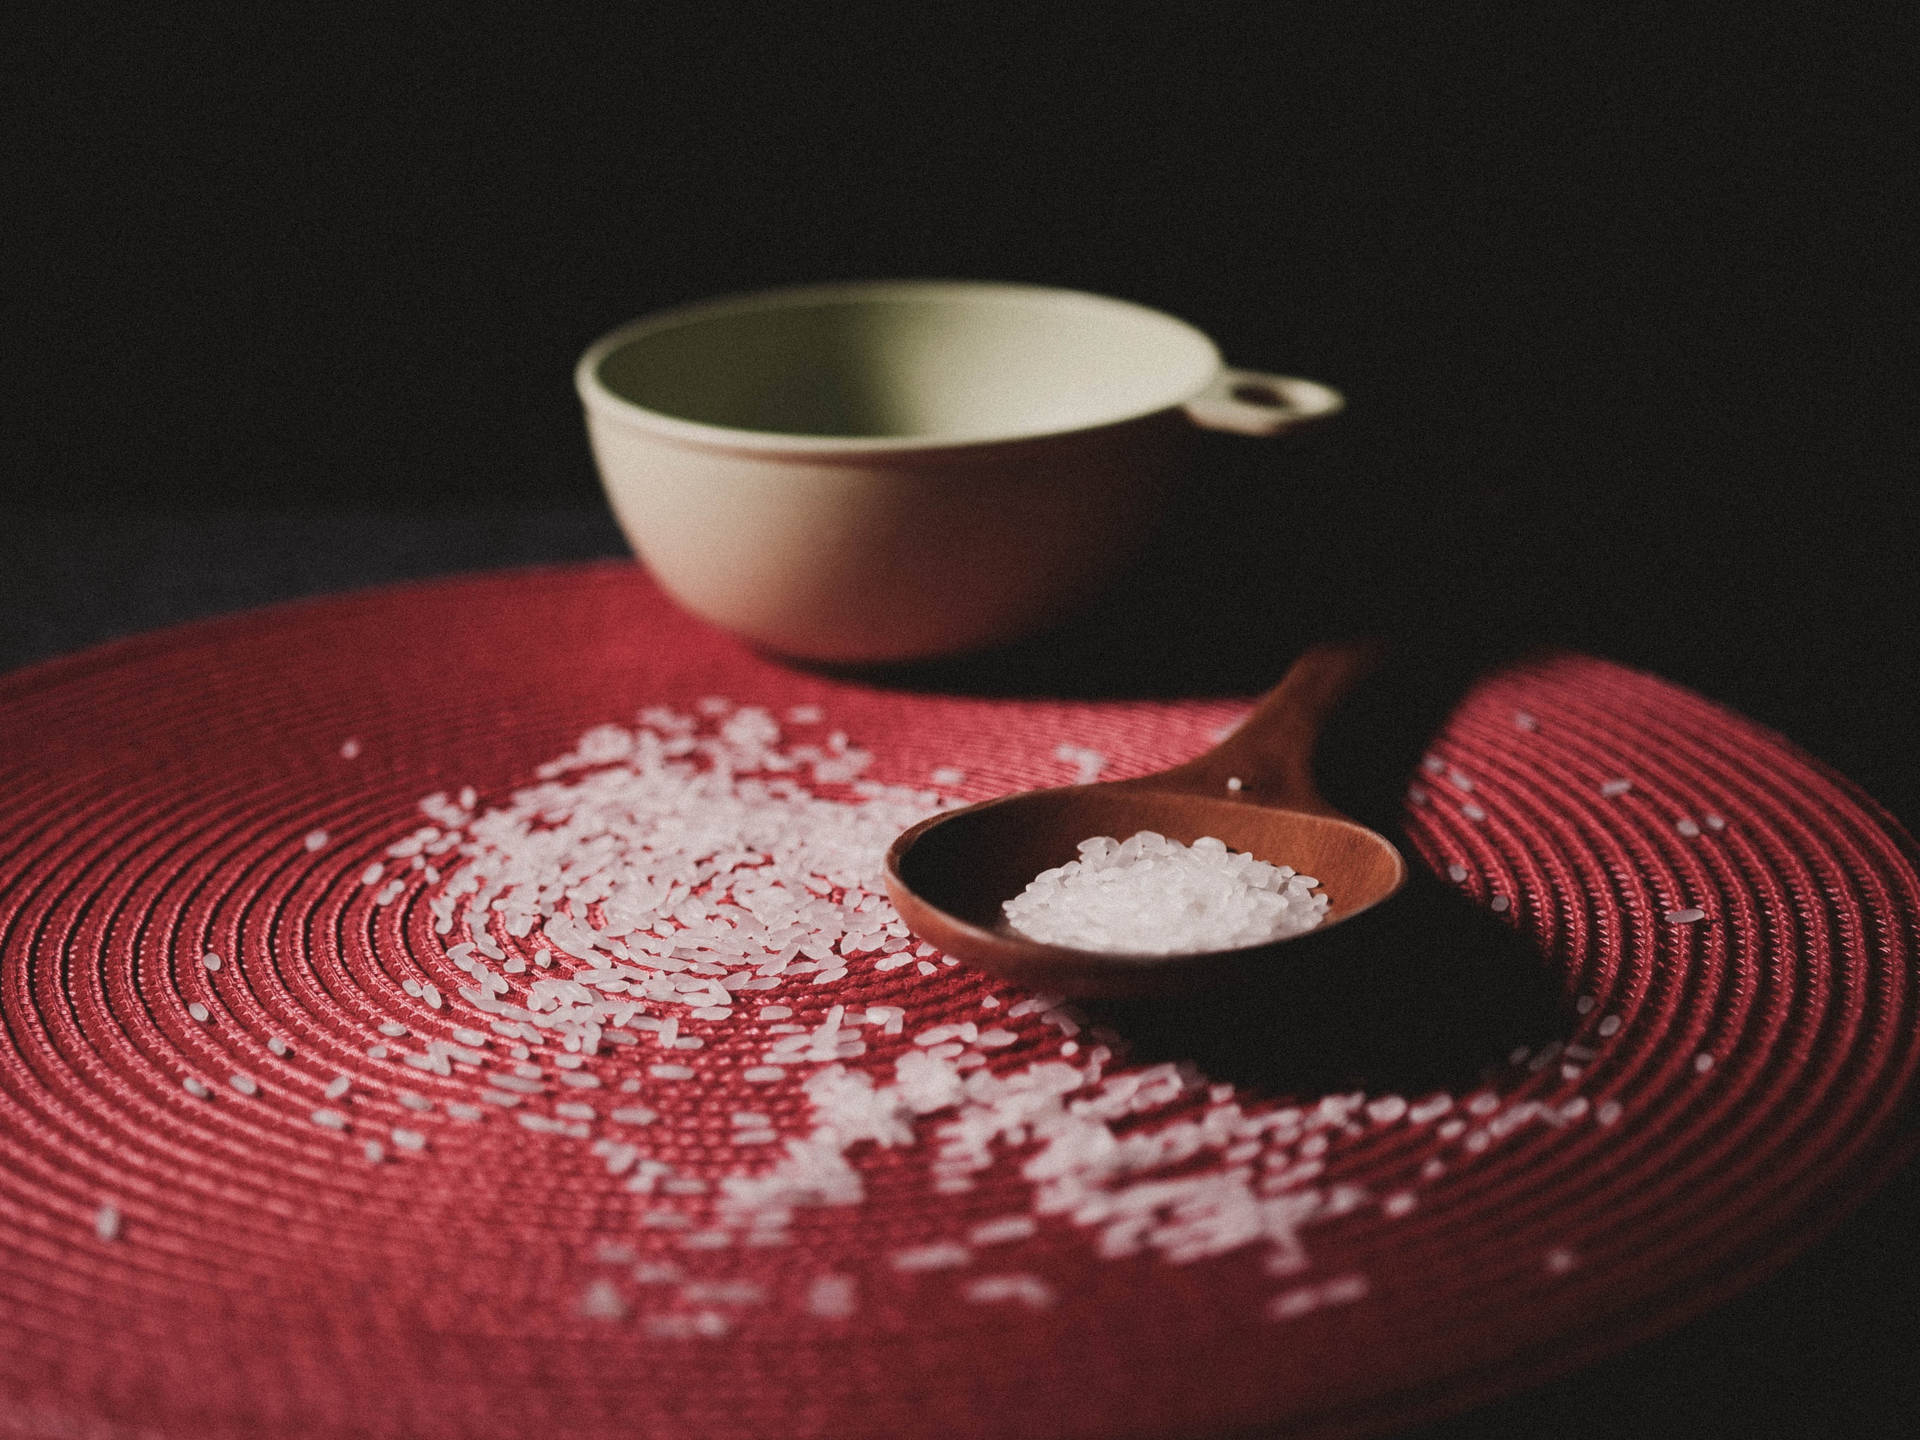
890 470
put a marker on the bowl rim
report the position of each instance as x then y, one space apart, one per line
604 404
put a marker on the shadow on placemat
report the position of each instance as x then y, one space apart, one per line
1425 993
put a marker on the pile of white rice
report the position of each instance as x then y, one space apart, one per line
1149 895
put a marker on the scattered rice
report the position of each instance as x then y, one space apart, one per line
1028 1290
832 1297
519 1084
210 960
1343 1290
245 1084
941 1255
1305 1299
316 840
602 1302
199 1012
1087 764
663 874
1687 916
1430 1109
106 1222
1611 788
195 1088
999 1232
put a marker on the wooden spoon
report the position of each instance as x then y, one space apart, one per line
949 875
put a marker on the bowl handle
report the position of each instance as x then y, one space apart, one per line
1252 402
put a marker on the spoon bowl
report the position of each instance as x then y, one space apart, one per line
950 875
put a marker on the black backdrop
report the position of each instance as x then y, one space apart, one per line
1612 295
1614 298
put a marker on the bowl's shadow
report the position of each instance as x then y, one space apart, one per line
1276 546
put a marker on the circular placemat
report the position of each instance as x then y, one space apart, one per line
303 1134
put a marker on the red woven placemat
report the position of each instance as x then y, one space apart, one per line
230 1263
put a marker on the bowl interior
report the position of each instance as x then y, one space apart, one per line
909 361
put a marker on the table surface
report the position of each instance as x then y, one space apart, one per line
1822 1348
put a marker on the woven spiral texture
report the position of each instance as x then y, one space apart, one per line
282 1219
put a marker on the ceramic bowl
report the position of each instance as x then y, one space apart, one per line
891 470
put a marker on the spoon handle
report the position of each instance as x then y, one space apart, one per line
1271 754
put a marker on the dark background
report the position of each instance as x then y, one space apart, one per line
1614 298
